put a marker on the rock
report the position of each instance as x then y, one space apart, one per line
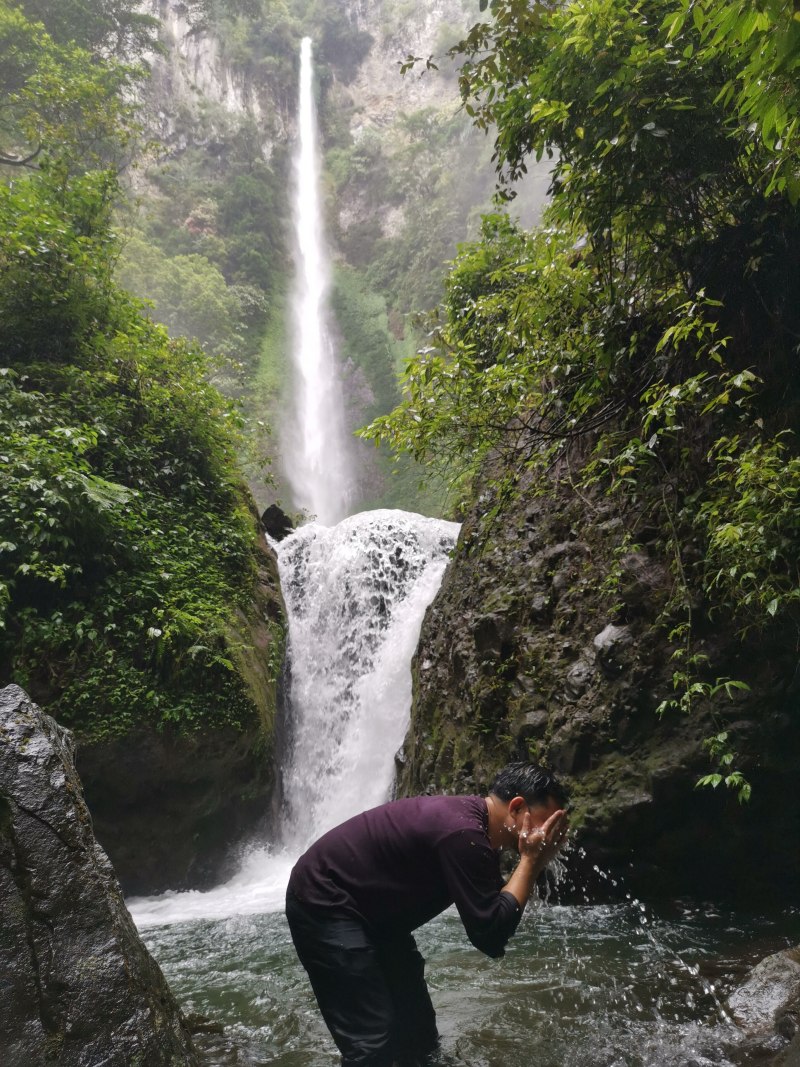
641 578
767 1008
169 806
201 1024
536 721
276 522
79 987
578 678
769 1000
540 607
790 1057
612 645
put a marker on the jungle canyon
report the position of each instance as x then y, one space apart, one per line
604 398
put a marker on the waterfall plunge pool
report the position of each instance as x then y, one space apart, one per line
580 986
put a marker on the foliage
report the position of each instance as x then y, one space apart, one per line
61 107
366 341
504 358
341 45
433 172
188 293
251 220
126 541
764 43
109 27
648 334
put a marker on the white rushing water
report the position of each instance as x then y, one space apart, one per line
316 445
356 594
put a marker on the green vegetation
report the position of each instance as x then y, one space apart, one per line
648 333
127 548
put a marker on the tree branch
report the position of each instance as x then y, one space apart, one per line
13 161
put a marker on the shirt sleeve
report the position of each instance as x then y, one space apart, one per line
472 872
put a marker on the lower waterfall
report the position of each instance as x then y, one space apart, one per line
356 594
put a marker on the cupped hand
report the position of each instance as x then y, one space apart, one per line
543 842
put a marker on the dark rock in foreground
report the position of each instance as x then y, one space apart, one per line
79 988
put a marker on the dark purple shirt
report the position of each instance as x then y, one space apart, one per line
398 865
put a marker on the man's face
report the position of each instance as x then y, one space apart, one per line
540 811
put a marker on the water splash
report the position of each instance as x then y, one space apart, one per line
316 445
670 970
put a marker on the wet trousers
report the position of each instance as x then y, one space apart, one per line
371 992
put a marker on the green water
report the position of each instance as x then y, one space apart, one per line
592 986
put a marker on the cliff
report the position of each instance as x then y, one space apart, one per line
545 642
171 805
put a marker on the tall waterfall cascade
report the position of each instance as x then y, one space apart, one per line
356 590
317 448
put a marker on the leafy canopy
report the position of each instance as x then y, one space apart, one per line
649 331
127 546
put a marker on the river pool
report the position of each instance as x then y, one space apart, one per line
580 986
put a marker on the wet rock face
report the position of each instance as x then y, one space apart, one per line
545 642
168 808
78 986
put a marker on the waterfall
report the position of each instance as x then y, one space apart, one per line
317 448
356 594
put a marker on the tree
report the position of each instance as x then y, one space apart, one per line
62 107
649 332
188 293
111 27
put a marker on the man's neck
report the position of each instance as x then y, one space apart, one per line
498 834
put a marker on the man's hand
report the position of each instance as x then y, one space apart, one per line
537 847
542 843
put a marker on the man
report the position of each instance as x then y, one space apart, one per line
358 892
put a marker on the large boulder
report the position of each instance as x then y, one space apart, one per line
79 987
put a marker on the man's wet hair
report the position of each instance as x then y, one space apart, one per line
533 783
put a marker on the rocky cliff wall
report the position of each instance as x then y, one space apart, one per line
171 806
79 987
379 92
545 642
194 94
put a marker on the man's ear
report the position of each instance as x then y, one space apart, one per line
515 805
